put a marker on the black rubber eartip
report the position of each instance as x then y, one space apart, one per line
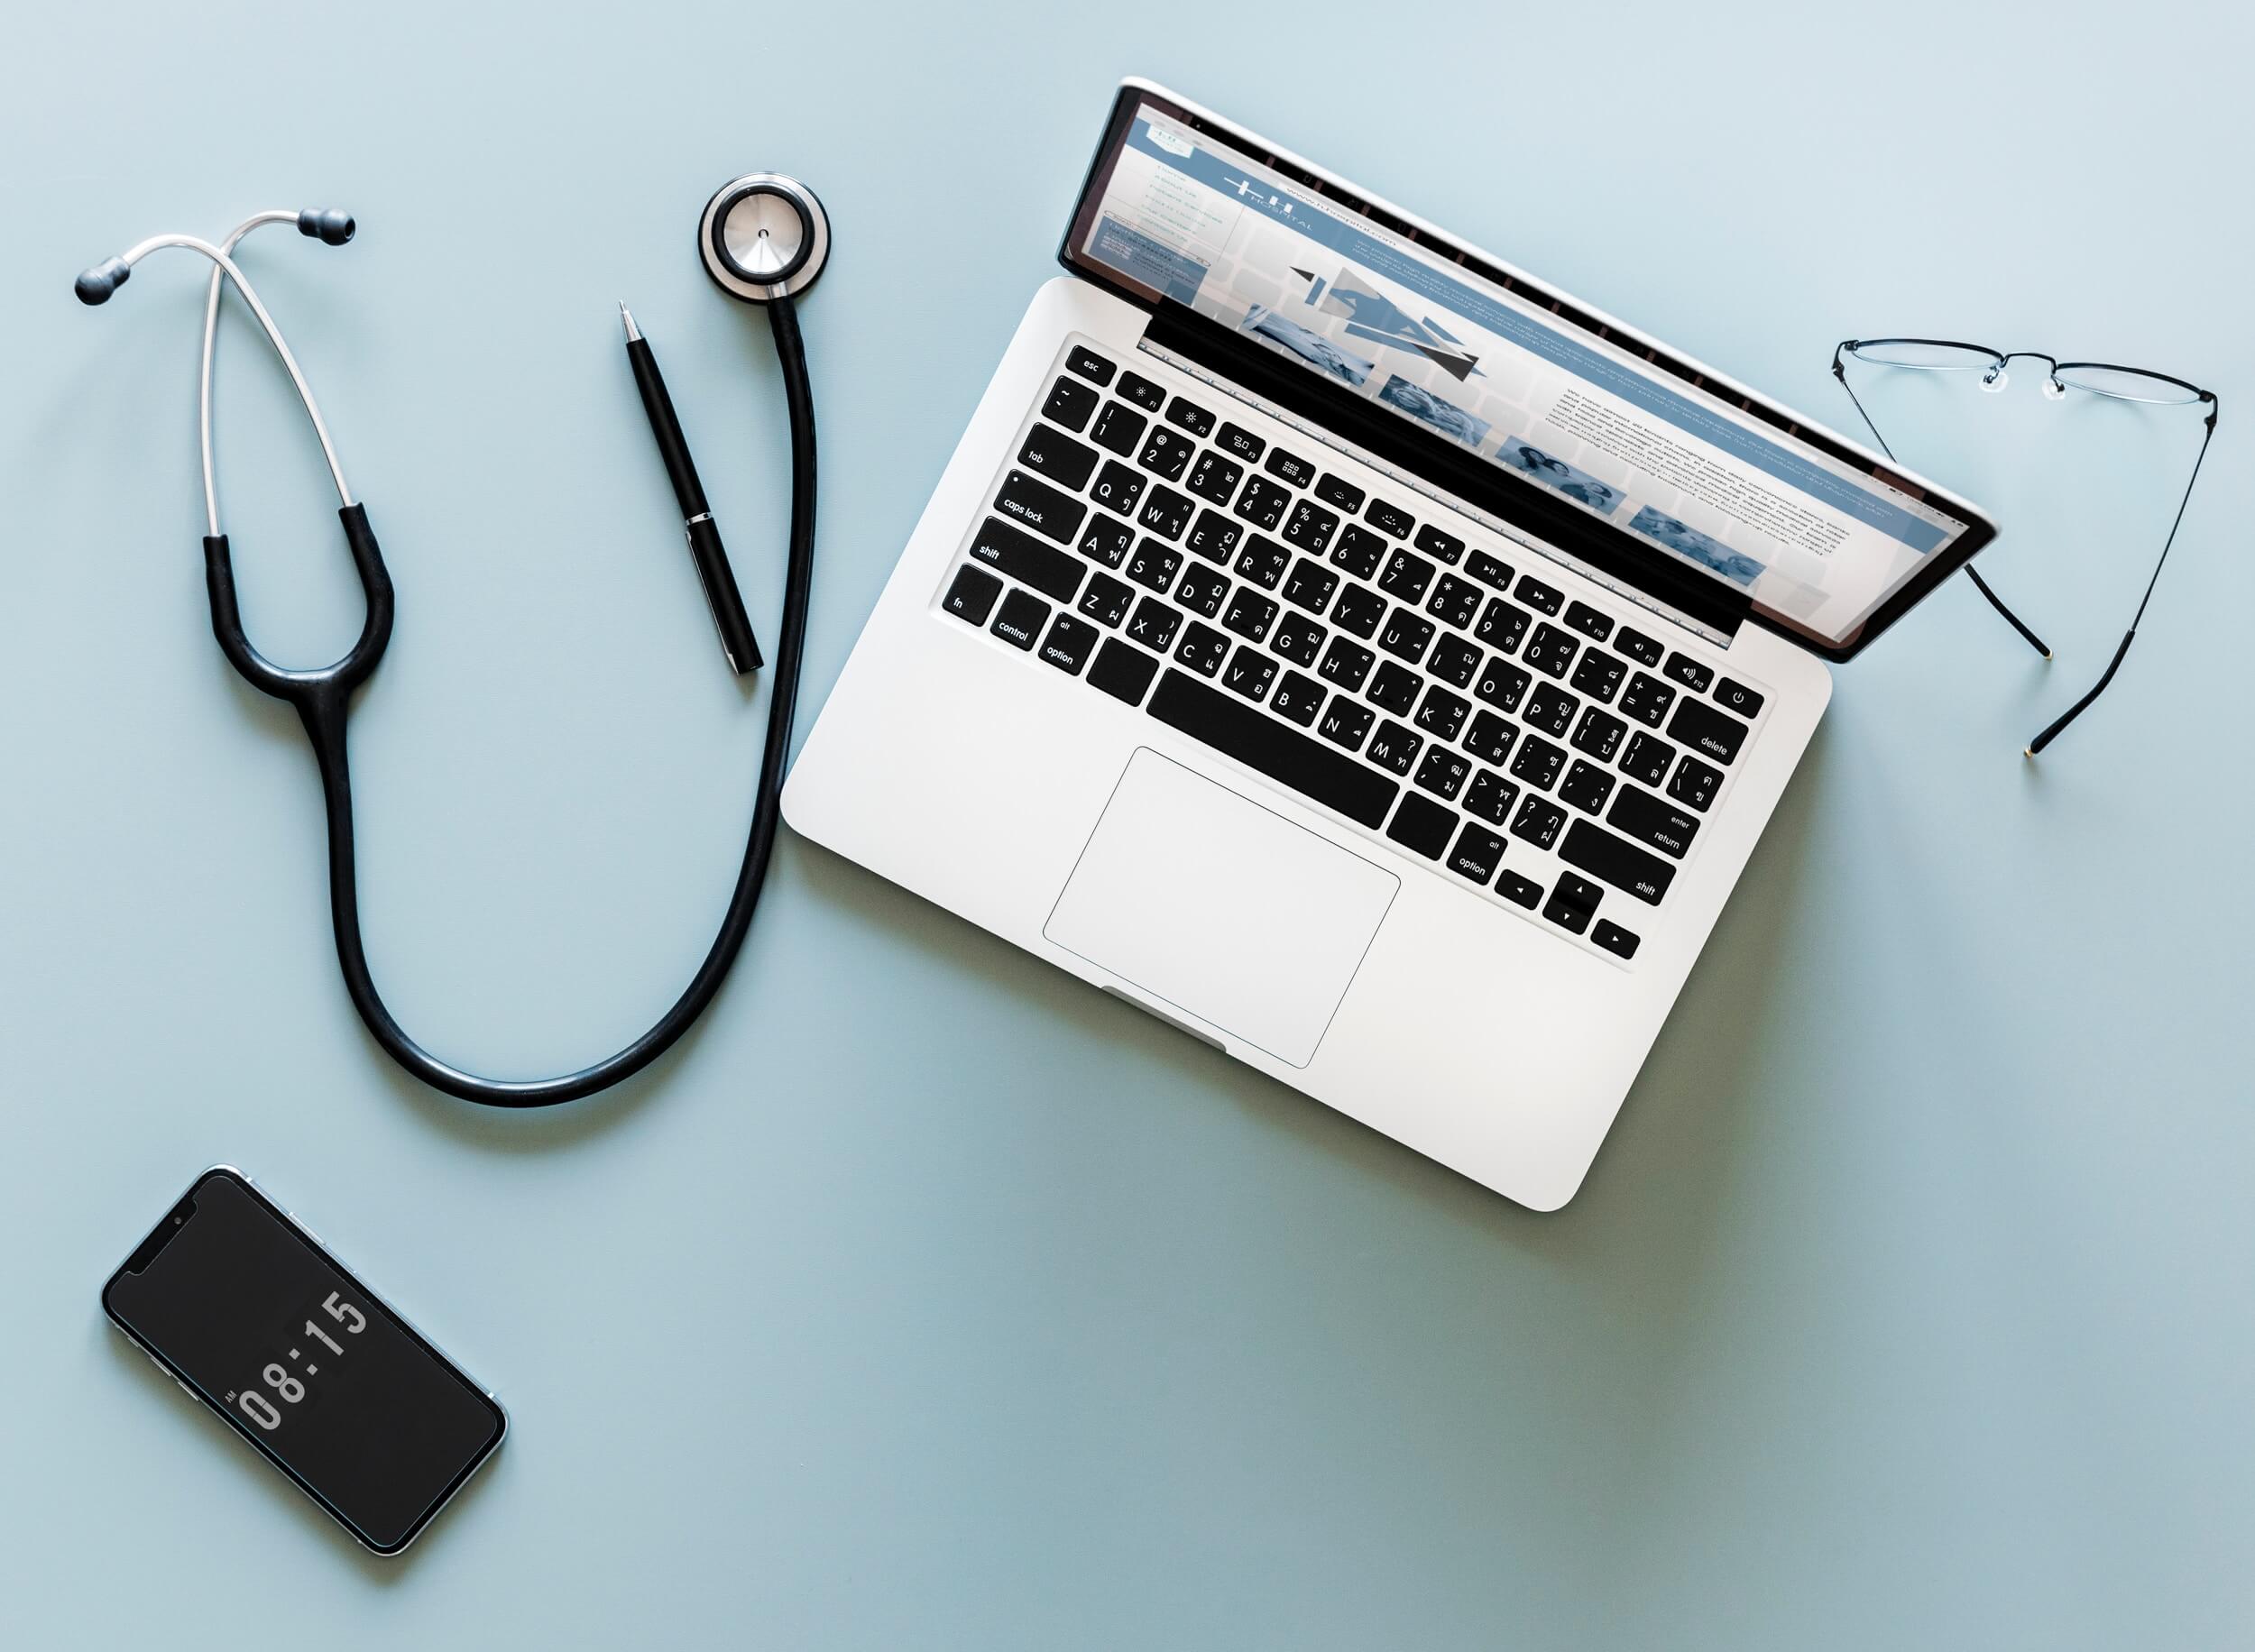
97 284
334 228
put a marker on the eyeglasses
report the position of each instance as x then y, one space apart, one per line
2091 378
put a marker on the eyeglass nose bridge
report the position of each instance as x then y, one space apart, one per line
1995 378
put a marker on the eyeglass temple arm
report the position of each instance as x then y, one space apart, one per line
2114 664
1839 371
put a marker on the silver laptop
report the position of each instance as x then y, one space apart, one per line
1349 649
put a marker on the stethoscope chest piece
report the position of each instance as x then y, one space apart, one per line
763 237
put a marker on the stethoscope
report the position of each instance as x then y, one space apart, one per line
763 238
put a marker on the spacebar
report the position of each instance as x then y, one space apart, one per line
1236 729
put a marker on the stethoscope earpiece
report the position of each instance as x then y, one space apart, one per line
763 236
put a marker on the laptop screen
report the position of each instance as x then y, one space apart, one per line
1821 541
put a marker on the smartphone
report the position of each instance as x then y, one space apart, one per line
249 1313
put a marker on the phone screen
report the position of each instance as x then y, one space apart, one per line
303 1361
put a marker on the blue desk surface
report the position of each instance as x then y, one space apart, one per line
926 1297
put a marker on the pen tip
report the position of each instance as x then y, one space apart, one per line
626 316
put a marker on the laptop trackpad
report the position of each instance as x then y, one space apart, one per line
1204 899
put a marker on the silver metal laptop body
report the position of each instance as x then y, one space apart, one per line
1367 659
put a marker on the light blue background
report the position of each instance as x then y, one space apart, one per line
926 1298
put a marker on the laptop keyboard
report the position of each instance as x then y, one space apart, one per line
1374 658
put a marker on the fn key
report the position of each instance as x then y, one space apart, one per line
970 598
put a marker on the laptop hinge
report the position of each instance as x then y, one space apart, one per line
1594 547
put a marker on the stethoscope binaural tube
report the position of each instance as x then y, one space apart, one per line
322 697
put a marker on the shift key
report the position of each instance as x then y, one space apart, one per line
1019 556
1617 861
1040 505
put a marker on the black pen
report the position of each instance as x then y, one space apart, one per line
714 573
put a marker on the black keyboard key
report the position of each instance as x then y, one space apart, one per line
1166 453
1695 783
1599 674
1070 403
1040 507
1645 650
1405 634
1189 416
1360 552
1534 593
1617 861
1406 576
1715 734
1089 365
1141 391
1267 746
1479 852
1588 621
1455 601
1573 902
1641 816
1444 772
1291 467
1586 787
1164 512
1264 504
1518 890
1538 763
1154 623
1454 661
1021 619
1550 709
1249 673
1300 638
1389 519
1213 536
1501 684
1263 561
1346 664
1491 796
1423 826
1119 488
1502 625
1600 734
1394 688
1614 939
1311 526
1489 570
1107 600
1490 737
1069 644
1310 586
971 595
1732 695
1203 648
1441 713
1298 697
1647 759
1215 478
1393 746
1239 442
1445 547
1107 541
1338 491
1346 721
1538 822
1154 565
1057 456
1122 671
1359 610
1202 590
1025 559
1551 651
1647 700
1690 673
1250 615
